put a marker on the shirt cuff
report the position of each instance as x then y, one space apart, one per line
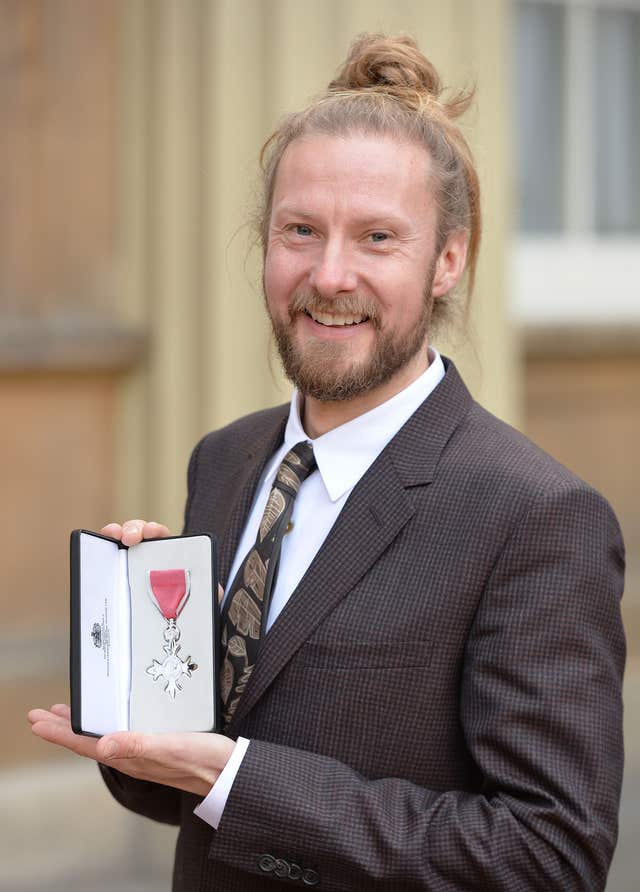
212 806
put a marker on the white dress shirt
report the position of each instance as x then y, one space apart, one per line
343 455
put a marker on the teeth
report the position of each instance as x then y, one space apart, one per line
328 319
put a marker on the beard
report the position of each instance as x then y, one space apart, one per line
322 369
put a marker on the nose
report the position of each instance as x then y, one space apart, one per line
333 272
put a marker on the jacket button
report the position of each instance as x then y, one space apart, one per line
266 863
310 877
281 868
295 871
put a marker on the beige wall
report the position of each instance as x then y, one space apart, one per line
202 85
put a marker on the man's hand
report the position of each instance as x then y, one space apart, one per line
133 531
189 761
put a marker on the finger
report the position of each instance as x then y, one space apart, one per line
60 733
220 593
132 531
122 745
62 710
114 530
153 530
44 715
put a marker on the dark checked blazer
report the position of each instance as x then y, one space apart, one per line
438 706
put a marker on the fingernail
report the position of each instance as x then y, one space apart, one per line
110 750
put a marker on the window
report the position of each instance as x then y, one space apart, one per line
577 142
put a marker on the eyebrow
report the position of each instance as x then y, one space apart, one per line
368 220
288 211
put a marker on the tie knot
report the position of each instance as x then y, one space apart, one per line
296 466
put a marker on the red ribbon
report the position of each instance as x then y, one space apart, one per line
169 588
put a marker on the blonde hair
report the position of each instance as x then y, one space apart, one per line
386 85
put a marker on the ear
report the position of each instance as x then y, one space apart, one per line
450 264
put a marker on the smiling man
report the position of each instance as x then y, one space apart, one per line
421 635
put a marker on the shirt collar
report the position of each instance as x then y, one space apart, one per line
345 453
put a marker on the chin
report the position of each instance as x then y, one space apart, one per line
333 392
335 385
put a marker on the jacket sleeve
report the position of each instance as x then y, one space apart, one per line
156 801
146 798
540 710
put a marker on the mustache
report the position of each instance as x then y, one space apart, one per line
349 305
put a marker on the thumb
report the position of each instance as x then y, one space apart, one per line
220 593
123 745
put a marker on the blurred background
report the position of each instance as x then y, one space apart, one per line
131 316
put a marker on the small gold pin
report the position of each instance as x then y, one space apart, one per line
289 527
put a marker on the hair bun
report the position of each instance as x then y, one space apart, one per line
389 64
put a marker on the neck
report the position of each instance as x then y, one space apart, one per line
319 417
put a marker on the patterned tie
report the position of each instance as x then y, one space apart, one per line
244 615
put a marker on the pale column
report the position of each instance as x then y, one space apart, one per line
173 284
161 116
490 358
234 333
132 417
305 48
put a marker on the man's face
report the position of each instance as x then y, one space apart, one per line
350 262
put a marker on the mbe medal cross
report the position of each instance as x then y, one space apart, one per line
169 591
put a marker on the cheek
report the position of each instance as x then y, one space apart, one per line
400 296
283 272
270 274
275 288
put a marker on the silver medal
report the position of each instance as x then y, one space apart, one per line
169 591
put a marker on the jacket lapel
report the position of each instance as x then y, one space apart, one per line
373 515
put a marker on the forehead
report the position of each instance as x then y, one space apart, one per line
359 173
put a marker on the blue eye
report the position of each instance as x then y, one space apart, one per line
301 229
379 236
